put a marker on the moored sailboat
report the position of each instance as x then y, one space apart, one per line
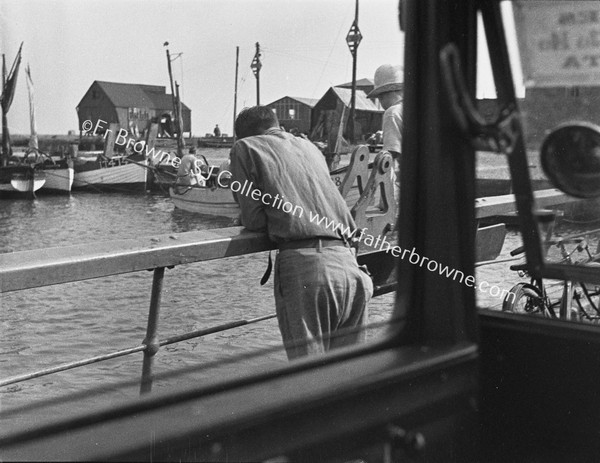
16 177
59 173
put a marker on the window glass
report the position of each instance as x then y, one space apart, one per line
552 47
170 186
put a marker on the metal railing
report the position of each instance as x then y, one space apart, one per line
44 267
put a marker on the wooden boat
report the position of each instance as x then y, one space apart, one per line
57 172
60 175
205 200
116 174
16 177
20 180
218 201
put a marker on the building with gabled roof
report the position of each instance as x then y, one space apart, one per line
333 110
293 112
132 106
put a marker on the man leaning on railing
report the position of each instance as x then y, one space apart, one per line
320 290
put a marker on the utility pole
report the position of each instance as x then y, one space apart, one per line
237 66
353 40
5 149
255 66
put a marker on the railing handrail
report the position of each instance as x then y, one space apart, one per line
43 267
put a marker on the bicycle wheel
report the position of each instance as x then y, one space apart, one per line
524 298
585 305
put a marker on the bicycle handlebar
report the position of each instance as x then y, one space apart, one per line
519 267
519 250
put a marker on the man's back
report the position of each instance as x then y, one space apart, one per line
298 198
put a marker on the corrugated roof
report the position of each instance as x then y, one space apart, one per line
137 95
362 103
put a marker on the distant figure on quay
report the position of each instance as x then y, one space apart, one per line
217 131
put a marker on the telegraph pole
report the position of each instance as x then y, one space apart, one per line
5 142
353 40
255 66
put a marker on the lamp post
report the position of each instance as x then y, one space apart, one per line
353 40
255 66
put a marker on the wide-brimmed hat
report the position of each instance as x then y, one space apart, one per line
388 78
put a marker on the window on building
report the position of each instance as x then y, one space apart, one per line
291 113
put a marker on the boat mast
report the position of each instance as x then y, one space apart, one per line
237 66
175 104
180 140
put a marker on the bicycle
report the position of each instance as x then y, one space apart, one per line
579 301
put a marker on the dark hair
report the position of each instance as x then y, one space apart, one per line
254 121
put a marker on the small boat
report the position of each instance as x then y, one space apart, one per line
20 179
115 174
211 199
16 176
60 175
53 174
214 201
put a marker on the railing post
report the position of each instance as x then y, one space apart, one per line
151 340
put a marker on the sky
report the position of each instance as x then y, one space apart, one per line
71 43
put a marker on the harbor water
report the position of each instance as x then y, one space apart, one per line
49 326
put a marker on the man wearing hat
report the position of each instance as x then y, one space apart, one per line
388 89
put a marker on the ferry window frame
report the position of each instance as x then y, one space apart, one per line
432 332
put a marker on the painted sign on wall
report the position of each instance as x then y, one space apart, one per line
559 42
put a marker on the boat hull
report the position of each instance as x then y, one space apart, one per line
219 201
127 176
58 180
20 180
203 200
